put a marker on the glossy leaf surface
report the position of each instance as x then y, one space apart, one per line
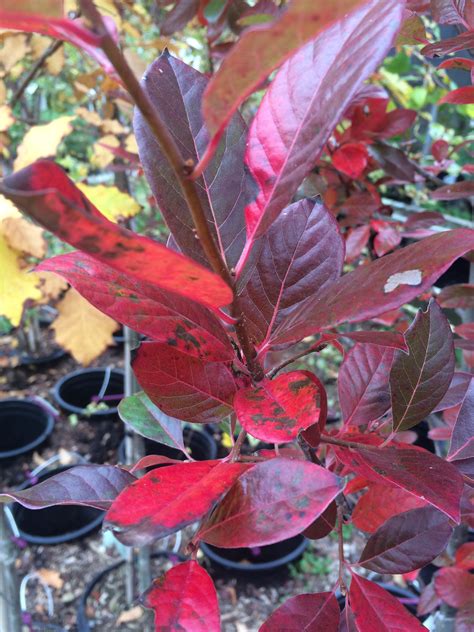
370 514
413 469
167 499
296 118
363 388
308 612
375 610
91 485
140 414
260 50
182 386
275 500
419 380
184 598
378 287
45 193
225 188
145 308
277 410
302 253
407 541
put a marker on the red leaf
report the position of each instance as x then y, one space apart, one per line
90 485
419 380
364 394
440 148
462 438
451 45
456 191
225 188
184 598
287 136
455 586
167 499
323 525
425 219
407 541
302 253
387 239
375 610
356 241
267 45
277 410
143 307
275 500
308 612
465 556
466 330
182 386
393 161
413 469
429 601
369 513
456 63
373 289
72 31
45 193
459 296
351 159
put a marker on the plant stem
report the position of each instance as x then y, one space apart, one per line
165 139
237 445
34 71
313 349
347 444
181 169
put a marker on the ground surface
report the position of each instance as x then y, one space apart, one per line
68 568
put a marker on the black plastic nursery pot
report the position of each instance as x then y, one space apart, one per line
25 427
256 561
76 391
42 360
201 445
55 525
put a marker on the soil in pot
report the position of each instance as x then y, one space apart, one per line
55 525
25 425
91 393
257 561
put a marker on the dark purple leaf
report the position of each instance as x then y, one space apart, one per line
407 541
363 387
323 525
451 45
302 253
393 161
457 190
462 438
92 485
378 287
177 18
456 391
459 296
225 189
419 380
308 613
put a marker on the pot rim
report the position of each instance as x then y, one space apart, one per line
8 454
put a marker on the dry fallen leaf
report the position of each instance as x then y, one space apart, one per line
51 285
110 201
130 615
41 141
24 236
51 577
6 118
102 157
14 48
81 329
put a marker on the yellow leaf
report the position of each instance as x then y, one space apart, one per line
51 578
48 8
131 144
6 117
55 62
14 48
111 126
41 141
3 91
102 157
51 286
39 43
89 117
8 209
81 329
24 236
16 284
136 63
110 201
107 7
